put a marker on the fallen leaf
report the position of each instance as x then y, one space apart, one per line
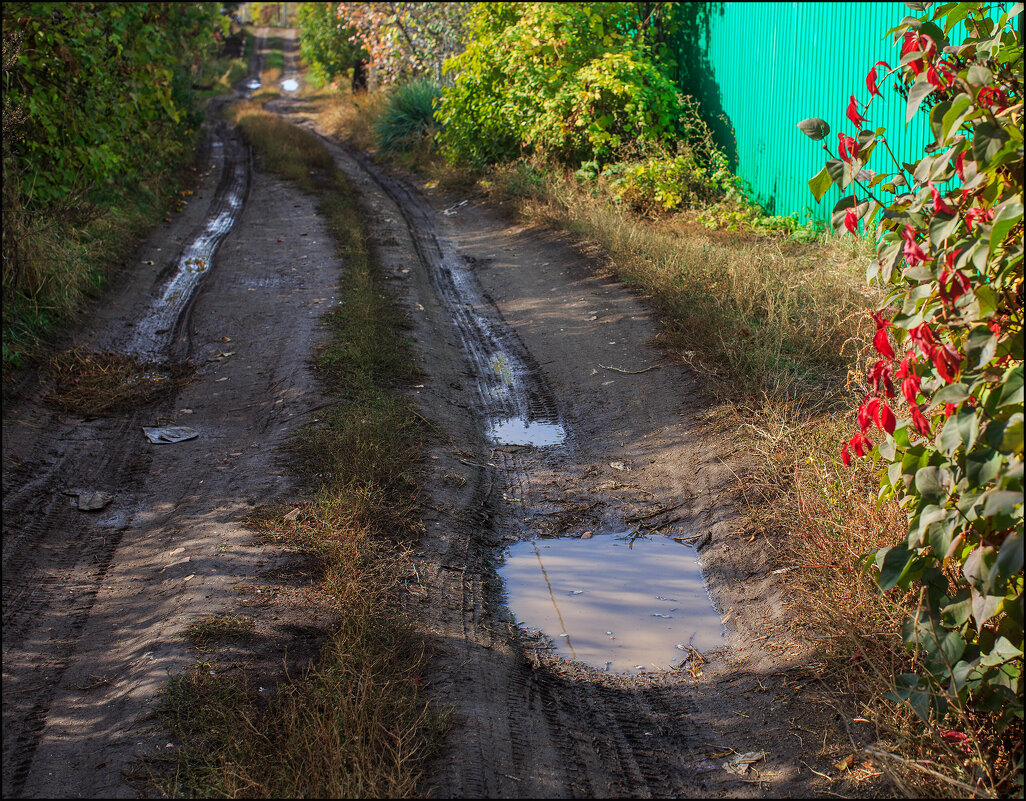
846 763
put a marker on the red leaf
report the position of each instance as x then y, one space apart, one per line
853 113
913 253
947 359
851 222
939 206
923 337
884 418
874 90
883 344
922 425
910 389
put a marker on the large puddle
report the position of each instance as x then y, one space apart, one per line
623 607
519 431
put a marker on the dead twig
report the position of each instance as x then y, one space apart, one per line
974 792
656 513
629 372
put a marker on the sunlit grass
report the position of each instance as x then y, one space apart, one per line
356 723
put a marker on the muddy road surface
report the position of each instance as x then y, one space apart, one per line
562 420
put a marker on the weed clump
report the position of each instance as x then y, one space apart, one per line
205 632
99 384
407 121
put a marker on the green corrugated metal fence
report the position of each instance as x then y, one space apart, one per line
760 68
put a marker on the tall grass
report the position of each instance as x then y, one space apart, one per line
54 260
356 723
407 121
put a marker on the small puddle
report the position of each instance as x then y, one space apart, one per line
618 607
518 431
290 84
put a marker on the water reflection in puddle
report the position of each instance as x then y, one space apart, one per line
518 431
290 84
611 605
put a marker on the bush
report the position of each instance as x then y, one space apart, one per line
951 447
671 184
408 118
572 81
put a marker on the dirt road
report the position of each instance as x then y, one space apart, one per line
511 324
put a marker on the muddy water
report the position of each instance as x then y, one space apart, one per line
622 606
154 332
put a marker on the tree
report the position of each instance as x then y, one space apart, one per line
326 43
406 40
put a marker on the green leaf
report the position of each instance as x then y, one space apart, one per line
1008 216
836 169
1011 388
1009 560
950 393
820 183
1001 502
956 614
933 483
894 564
960 108
959 430
983 466
1013 435
981 347
985 606
942 226
988 140
956 15
916 95
814 128
1003 650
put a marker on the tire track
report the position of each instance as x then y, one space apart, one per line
608 732
55 558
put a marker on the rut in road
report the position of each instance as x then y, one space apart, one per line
529 724
41 572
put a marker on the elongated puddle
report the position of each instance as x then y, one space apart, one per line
620 607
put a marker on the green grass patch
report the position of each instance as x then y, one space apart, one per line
356 723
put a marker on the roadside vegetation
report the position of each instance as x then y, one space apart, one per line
101 111
592 137
355 724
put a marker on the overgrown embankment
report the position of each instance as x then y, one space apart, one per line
102 107
356 724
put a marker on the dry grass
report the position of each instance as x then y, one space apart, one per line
348 116
356 724
212 629
98 384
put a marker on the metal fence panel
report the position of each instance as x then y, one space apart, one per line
760 68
